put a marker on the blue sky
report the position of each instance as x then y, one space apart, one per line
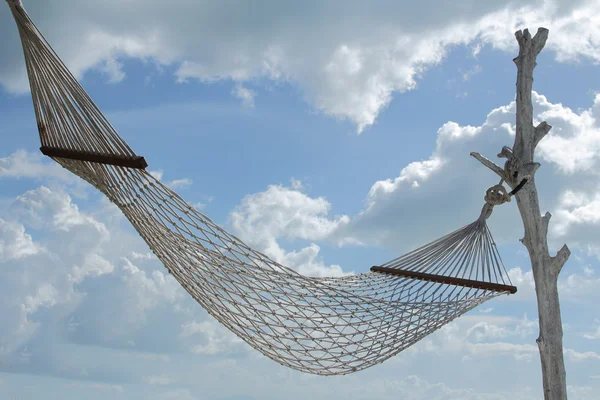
332 137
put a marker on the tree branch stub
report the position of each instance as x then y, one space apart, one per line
561 257
540 132
490 164
546 223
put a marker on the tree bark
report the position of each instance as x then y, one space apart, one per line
520 165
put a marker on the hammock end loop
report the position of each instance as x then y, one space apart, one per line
497 195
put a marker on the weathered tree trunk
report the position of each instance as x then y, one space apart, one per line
520 166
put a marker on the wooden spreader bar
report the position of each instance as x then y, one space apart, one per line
130 162
446 279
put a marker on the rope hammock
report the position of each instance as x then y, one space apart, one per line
325 326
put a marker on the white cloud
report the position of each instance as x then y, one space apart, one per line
215 338
574 142
307 262
15 243
578 219
201 205
54 210
22 164
522 352
146 291
577 356
244 94
113 69
49 252
482 336
157 174
174 184
522 279
93 265
132 291
180 183
351 74
490 330
295 216
287 213
594 335
468 74
435 195
139 256
579 285
283 212
35 276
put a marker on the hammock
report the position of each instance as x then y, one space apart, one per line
325 326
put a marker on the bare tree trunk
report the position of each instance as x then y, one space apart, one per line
520 167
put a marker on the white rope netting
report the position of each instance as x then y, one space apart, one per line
324 326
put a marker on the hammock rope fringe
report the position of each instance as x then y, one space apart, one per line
325 326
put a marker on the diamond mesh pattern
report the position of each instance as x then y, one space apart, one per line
325 326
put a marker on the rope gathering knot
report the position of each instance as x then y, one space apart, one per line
15 2
497 195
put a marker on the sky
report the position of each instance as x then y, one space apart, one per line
332 136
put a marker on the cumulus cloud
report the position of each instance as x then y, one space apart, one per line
436 195
578 219
15 243
148 289
480 337
432 197
574 145
283 212
73 279
490 330
35 277
52 257
22 164
214 338
136 303
580 284
581 356
364 54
